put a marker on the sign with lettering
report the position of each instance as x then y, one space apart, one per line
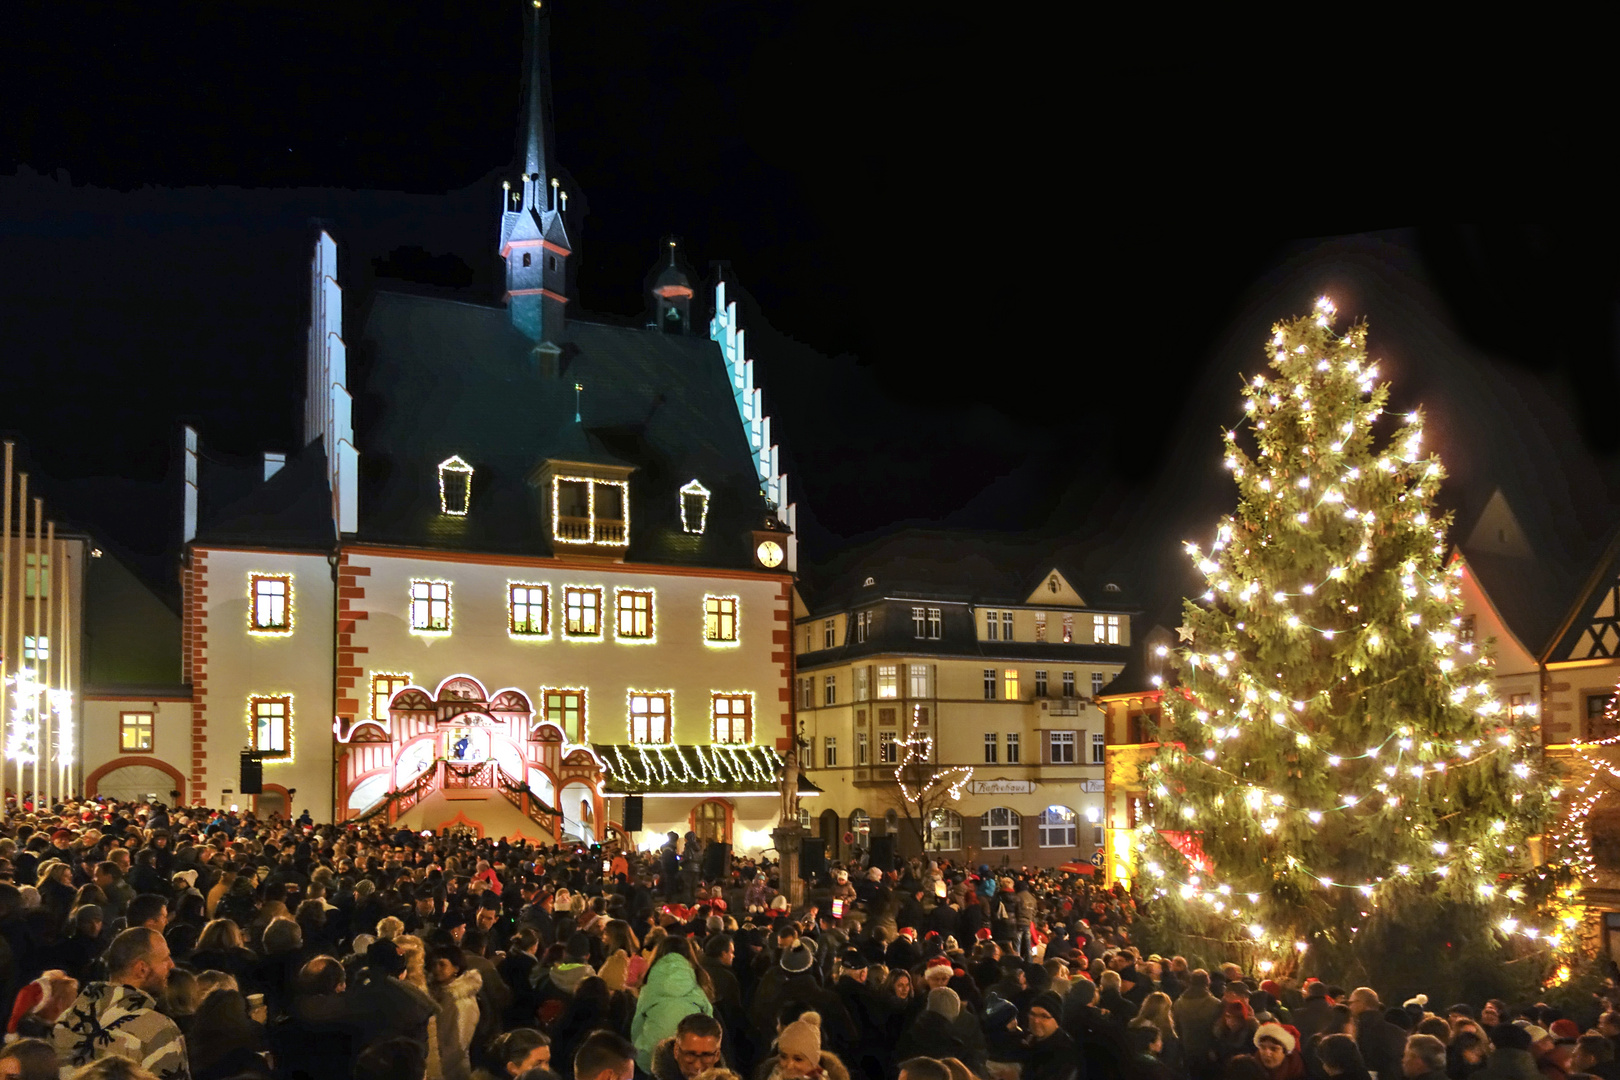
1003 787
1091 787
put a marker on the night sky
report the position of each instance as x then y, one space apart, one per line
993 280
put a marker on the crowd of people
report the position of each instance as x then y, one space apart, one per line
139 942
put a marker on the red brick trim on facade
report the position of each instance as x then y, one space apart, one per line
782 656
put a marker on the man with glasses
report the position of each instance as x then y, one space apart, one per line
694 1047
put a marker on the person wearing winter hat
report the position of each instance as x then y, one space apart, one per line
1276 1047
799 1055
1051 1050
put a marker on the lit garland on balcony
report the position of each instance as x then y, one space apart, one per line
708 766
694 488
590 483
253 605
619 614
600 634
736 622
455 465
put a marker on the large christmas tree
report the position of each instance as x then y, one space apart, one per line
1338 785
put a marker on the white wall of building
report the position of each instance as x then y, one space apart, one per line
231 664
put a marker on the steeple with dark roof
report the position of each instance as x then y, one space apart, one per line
534 238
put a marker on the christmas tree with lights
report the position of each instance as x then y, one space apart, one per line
1338 787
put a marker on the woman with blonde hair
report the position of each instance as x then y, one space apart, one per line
414 954
1156 1011
390 928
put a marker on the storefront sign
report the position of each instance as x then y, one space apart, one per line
1003 787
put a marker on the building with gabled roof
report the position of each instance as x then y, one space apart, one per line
989 652
530 572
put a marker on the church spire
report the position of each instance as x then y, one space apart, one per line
534 236
537 100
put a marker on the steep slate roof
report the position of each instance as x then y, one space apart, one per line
449 378
290 511
970 567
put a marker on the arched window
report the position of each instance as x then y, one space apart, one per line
944 830
1056 827
709 822
527 258
891 823
860 825
1001 828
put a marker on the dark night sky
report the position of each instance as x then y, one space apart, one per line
993 279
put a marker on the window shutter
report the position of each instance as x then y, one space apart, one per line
1046 748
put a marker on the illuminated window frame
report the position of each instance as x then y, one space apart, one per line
387 680
692 487
633 697
590 483
1010 689
255 701
455 464
888 681
267 629
530 604
623 614
570 591
714 621
422 607
36 648
729 715
129 723
583 731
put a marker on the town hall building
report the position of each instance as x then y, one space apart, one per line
538 584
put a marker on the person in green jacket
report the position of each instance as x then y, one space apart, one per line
673 989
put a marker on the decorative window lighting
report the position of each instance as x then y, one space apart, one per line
634 624
720 620
652 716
270 730
455 487
430 607
582 612
384 685
694 502
732 716
270 605
528 610
564 706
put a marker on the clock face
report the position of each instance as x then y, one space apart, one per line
769 554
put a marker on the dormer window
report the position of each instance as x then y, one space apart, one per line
585 510
694 507
455 487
